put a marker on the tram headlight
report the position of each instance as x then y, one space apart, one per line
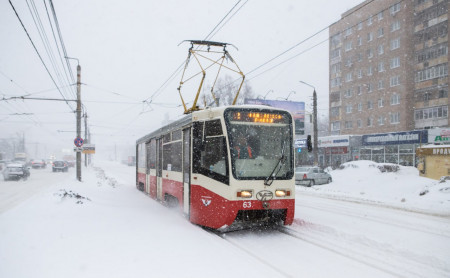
244 194
282 193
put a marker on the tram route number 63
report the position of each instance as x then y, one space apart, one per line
247 204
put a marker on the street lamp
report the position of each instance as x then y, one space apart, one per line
267 93
315 144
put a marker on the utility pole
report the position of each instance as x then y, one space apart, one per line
315 128
316 132
78 120
85 139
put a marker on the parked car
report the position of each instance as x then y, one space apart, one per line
59 165
38 163
15 171
311 175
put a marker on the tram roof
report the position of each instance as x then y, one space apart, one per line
187 120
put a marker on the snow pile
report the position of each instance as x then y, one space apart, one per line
386 184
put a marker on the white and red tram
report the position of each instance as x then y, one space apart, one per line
194 164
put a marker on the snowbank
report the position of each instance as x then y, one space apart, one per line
363 181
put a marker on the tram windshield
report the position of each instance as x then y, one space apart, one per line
260 144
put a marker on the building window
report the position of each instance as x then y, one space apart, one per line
395 81
335 96
369 53
380 49
380 102
336 68
348 77
335 111
369 87
395 26
358 90
348 62
335 126
360 73
432 52
369 70
380 120
395 99
432 72
348 32
369 104
443 93
348 93
335 53
335 40
380 84
426 96
359 123
395 62
395 43
335 82
360 25
369 37
381 67
431 113
348 108
359 41
348 46
348 124
369 122
380 32
370 20
359 107
380 15
395 118
395 8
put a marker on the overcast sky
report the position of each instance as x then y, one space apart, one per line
128 49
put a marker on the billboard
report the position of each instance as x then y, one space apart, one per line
297 110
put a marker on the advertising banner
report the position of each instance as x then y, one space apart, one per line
396 138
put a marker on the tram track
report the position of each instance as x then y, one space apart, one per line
376 255
253 255
343 210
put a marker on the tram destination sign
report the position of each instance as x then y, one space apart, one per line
397 138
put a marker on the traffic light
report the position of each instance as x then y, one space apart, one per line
309 143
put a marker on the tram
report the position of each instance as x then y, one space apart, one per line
223 167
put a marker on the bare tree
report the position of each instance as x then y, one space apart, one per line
225 91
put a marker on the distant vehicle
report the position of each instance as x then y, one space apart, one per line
71 163
59 165
38 163
311 175
131 161
15 171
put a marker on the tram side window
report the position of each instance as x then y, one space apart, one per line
152 155
210 151
141 155
172 156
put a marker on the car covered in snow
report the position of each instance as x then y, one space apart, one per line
311 175
60 166
38 163
15 171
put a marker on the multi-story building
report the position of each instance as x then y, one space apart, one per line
431 63
389 67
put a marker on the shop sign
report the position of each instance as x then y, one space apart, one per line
397 138
336 150
434 151
439 136
334 141
300 143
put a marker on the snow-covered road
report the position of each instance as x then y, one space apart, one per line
120 232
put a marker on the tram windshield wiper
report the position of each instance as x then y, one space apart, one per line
268 181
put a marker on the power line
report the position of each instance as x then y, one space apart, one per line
37 52
159 90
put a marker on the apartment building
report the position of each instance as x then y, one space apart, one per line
431 63
389 67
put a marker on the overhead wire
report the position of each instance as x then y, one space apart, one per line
37 52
